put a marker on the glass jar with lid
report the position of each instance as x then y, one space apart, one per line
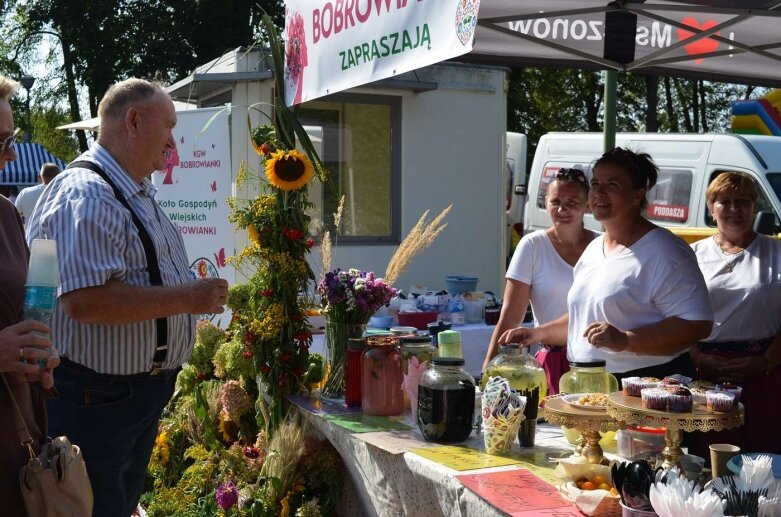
416 346
446 401
588 377
522 371
381 377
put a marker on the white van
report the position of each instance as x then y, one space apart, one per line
515 184
687 164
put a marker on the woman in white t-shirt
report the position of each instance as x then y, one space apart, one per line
540 271
638 300
743 273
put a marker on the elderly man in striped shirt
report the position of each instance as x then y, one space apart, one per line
124 322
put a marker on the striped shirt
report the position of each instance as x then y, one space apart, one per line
97 241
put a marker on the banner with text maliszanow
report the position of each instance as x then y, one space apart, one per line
333 45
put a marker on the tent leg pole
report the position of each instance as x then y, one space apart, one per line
609 129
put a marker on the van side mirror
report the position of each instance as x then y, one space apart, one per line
520 190
765 223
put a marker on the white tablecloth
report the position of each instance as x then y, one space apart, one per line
384 484
475 338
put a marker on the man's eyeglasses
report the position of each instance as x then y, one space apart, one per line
6 144
572 175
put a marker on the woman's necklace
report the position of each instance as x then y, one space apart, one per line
725 254
623 247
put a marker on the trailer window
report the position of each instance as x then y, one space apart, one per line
669 200
358 139
764 205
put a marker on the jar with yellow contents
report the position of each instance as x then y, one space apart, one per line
588 377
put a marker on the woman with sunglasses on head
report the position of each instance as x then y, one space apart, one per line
638 299
742 270
20 347
540 271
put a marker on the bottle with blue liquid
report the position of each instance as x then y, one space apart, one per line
40 290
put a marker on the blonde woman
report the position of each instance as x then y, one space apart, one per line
742 270
540 271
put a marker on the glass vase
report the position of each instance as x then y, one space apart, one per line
337 336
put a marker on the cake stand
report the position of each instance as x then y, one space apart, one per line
590 423
629 411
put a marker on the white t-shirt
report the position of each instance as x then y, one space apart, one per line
27 199
655 279
537 264
747 301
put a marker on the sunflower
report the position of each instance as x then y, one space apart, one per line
288 170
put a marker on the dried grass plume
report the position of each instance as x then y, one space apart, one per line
418 239
325 251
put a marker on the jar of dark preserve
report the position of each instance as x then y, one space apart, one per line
352 380
446 401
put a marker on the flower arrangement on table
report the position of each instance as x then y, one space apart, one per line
348 300
227 444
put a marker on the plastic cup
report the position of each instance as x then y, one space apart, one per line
720 454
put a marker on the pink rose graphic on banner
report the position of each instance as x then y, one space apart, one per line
295 55
170 161
466 19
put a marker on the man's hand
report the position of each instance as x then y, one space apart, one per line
207 296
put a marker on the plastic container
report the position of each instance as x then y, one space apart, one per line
419 320
473 310
631 512
381 322
638 440
434 328
449 344
417 346
457 315
381 377
457 284
352 381
492 314
446 399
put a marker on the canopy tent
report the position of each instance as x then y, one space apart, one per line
29 158
709 39
718 40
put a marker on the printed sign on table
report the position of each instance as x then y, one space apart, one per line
193 190
366 424
397 442
333 45
519 493
463 458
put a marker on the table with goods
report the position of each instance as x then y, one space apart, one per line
629 411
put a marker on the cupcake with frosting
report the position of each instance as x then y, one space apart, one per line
721 401
698 394
679 398
632 386
731 388
654 398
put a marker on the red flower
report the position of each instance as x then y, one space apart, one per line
310 243
303 345
266 292
247 354
249 337
298 372
251 452
265 149
293 234
265 369
284 358
303 336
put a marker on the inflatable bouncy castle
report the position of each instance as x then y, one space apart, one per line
758 116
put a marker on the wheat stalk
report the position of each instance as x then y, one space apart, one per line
284 451
420 237
325 251
338 215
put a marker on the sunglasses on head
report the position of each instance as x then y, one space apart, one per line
9 142
572 175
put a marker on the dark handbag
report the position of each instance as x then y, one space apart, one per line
54 482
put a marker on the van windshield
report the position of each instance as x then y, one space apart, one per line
775 182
